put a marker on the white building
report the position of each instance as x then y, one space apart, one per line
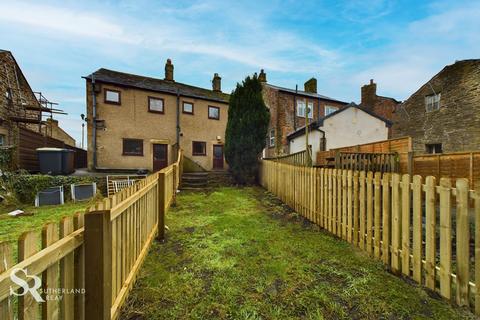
349 126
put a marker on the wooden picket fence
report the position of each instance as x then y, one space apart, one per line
94 256
421 229
375 162
299 158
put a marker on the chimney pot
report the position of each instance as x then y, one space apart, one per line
217 83
262 77
371 81
169 70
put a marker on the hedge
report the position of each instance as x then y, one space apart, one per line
24 187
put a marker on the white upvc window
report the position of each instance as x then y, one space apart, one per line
301 109
330 109
432 102
272 138
310 110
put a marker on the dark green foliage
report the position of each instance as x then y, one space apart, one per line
247 126
7 155
24 187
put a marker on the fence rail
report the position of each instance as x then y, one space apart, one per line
422 229
375 162
298 158
98 253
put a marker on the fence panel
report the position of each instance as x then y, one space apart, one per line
408 224
98 253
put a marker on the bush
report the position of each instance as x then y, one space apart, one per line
24 187
246 132
7 162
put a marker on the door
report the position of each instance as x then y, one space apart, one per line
217 156
160 156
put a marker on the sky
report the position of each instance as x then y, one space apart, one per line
344 44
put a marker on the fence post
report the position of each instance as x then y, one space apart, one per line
161 206
174 195
98 257
410 163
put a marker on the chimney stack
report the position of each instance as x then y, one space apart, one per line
217 83
311 86
369 94
262 77
169 70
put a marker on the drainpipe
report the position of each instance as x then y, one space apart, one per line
178 120
319 109
295 108
94 123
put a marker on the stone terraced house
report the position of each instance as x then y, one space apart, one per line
137 122
444 114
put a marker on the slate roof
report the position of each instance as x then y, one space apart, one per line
304 93
319 123
158 85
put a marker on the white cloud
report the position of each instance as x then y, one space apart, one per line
64 21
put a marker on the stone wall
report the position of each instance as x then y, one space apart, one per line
131 119
51 129
15 95
456 124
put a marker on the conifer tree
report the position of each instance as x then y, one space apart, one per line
247 126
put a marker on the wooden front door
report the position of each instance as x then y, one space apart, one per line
217 156
160 156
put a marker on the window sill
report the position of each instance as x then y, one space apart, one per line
132 155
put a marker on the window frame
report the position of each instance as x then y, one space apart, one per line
150 98
271 140
298 108
213 107
433 105
431 148
204 148
119 102
124 140
183 107
310 113
327 107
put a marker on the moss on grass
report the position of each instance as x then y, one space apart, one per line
241 254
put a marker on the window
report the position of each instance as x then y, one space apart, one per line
330 109
112 96
2 140
132 147
188 107
155 105
432 102
434 148
213 113
199 148
301 109
8 94
271 142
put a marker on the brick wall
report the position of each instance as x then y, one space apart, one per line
283 118
456 125
382 106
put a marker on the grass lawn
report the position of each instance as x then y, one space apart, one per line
241 254
12 227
